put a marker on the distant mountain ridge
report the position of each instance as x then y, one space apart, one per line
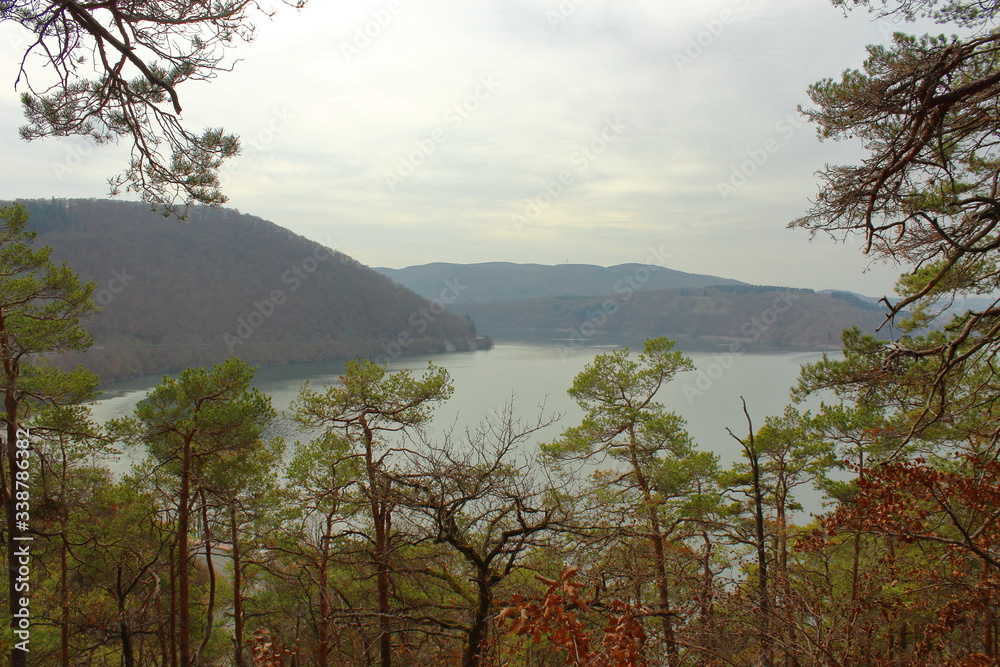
580 302
742 314
499 282
949 306
176 294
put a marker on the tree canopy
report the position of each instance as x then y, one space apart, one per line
927 193
112 72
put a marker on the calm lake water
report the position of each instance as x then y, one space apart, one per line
538 374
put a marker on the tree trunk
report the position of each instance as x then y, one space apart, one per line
323 626
660 561
64 598
760 536
707 593
124 633
210 565
173 605
128 656
237 588
183 586
63 561
855 572
380 510
381 518
659 555
480 621
160 636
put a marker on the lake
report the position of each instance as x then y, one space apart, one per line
537 374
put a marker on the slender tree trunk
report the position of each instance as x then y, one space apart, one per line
666 618
64 598
854 609
781 518
780 585
183 586
160 636
237 587
124 633
323 626
128 653
760 536
381 518
63 560
210 565
380 510
707 593
659 555
173 605
855 575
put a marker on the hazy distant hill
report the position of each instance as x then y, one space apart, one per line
948 307
582 301
759 315
504 281
176 294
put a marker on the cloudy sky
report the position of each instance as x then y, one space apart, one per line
585 131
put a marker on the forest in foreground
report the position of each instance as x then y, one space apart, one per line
379 542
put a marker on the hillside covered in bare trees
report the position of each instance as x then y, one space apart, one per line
175 293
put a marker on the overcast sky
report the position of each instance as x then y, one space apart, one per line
585 131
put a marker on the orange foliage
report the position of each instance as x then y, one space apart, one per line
555 618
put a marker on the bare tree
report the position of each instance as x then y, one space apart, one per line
757 492
485 498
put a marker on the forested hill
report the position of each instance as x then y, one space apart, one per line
491 282
582 302
775 316
177 294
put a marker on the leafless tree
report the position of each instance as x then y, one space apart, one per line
486 498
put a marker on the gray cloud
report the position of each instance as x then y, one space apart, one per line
701 87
